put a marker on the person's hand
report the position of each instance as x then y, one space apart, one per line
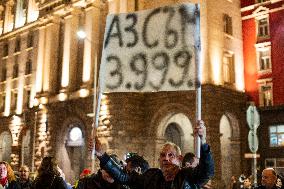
200 130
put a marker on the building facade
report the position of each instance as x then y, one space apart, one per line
263 59
49 78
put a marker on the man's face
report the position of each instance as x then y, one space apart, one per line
24 173
247 183
268 179
3 171
168 157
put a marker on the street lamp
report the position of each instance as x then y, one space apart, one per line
81 34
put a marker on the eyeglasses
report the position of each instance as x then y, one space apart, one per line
23 171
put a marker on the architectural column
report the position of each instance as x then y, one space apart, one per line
91 45
41 133
50 58
70 52
9 21
1 19
40 59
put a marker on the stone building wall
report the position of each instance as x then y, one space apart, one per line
133 122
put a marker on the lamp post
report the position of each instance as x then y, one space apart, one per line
97 95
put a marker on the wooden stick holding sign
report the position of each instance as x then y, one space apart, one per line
152 50
197 141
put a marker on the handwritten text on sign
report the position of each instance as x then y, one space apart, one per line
150 50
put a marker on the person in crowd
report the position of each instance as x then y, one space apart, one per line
7 176
279 182
268 179
24 180
247 183
189 160
85 173
101 180
62 174
233 184
48 175
137 163
169 175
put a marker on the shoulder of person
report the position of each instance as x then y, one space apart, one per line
153 172
14 184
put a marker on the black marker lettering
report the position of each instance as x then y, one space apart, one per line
181 60
139 58
117 72
160 62
145 27
114 24
171 35
132 29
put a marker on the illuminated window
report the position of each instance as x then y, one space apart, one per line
264 59
2 102
14 97
3 72
30 40
5 50
18 45
265 94
15 70
260 1
228 26
263 52
173 134
276 135
276 163
75 136
1 19
228 68
263 27
28 69
27 96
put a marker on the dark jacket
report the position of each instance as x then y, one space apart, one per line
263 187
96 181
25 185
154 179
48 182
13 185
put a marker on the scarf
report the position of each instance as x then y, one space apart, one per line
4 181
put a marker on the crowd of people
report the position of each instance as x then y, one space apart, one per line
269 180
175 172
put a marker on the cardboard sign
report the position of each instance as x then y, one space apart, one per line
152 50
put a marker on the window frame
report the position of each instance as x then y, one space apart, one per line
260 48
277 133
263 101
231 67
228 24
262 27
